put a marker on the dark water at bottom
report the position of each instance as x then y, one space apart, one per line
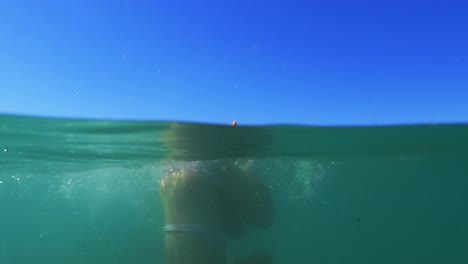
87 191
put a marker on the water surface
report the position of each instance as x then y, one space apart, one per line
86 191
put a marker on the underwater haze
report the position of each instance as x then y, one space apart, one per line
81 191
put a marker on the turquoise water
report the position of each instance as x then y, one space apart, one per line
81 191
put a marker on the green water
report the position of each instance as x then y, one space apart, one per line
78 191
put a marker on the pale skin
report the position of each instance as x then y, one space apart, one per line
231 197
188 199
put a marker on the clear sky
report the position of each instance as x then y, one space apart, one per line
321 62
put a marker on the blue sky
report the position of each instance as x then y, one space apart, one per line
259 62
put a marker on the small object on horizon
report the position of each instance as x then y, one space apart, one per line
234 123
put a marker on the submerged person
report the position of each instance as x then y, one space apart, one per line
207 202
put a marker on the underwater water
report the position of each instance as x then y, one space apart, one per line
81 191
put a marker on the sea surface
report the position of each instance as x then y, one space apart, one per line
86 191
